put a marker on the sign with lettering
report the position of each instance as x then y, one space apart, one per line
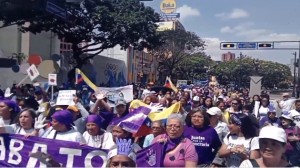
65 97
15 149
168 6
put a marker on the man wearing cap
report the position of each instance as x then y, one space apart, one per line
285 104
221 127
271 118
196 102
120 110
295 113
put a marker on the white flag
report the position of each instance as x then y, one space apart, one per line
52 79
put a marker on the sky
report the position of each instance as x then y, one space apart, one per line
218 21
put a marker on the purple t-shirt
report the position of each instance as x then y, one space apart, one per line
206 141
276 122
184 151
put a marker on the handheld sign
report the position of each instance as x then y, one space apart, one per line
32 72
65 97
52 79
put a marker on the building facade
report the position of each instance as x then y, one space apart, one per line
228 57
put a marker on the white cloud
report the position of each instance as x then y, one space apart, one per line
234 14
213 48
187 11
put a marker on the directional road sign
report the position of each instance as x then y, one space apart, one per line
247 45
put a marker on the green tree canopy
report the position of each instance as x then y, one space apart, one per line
239 70
178 46
101 24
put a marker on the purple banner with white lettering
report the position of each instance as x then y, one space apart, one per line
15 149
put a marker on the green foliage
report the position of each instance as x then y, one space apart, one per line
178 48
239 70
283 85
100 23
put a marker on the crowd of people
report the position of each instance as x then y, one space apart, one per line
213 127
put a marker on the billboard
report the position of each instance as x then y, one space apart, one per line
163 26
168 6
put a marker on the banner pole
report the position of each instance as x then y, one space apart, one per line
23 80
52 92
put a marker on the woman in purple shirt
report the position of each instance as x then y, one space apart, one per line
204 137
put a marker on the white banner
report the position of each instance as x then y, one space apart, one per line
65 97
32 72
52 79
181 82
114 93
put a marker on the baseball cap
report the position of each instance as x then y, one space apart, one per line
286 117
73 108
214 111
120 102
273 132
271 108
196 98
221 97
285 94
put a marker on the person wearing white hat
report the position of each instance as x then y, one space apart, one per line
272 143
292 152
295 113
214 117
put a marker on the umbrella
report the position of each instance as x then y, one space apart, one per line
161 88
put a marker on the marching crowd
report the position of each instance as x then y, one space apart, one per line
213 127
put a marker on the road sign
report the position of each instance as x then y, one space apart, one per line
247 45
170 16
56 10
228 46
266 45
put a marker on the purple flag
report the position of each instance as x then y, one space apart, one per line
133 120
152 156
15 149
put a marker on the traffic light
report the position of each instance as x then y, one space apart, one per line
265 45
228 45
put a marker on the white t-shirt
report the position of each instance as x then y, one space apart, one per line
105 141
263 111
222 130
234 160
286 105
246 164
14 129
71 135
295 115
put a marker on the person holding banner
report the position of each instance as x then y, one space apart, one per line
179 151
95 136
125 157
8 111
62 128
26 123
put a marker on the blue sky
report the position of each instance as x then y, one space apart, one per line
244 21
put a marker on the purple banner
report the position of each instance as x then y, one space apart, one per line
15 149
152 156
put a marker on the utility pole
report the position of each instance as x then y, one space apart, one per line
240 70
294 82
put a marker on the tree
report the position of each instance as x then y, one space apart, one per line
196 66
101 24
239 70
178 46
